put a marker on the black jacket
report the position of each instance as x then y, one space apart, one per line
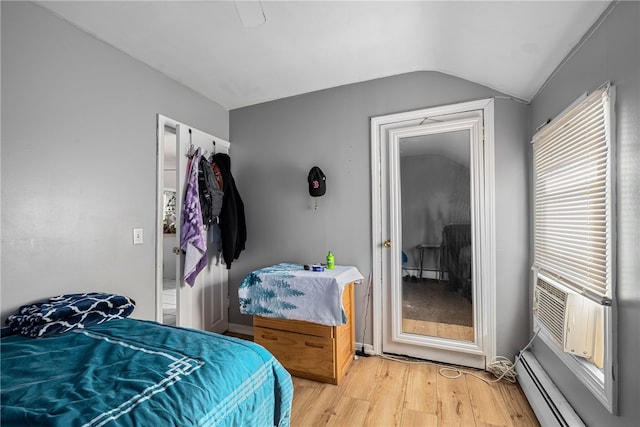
232 222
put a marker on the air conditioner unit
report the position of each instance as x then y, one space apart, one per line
576 323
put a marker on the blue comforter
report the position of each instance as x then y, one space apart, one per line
136 373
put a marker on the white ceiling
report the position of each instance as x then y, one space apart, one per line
304 46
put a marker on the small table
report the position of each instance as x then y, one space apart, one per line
425 247
320 351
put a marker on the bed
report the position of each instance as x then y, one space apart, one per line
128 372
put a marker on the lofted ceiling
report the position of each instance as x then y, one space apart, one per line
304 46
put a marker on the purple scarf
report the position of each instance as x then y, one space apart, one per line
192 237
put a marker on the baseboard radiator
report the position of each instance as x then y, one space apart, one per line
549 405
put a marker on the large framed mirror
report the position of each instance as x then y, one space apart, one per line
434 275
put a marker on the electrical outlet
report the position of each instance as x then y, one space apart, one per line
137 236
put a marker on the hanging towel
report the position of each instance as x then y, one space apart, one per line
192 237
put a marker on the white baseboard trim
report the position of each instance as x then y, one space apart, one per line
426 274
237 328
368 349
547 402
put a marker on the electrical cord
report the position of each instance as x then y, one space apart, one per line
499 366
366 311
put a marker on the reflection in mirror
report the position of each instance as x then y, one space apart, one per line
169 238
437 297
169 215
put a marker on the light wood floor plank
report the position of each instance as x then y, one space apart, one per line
361 370
308 383
301 395
454 404
348 408
418 419
387 390
442 330
421 392
418 327
486 400
517 405
317 408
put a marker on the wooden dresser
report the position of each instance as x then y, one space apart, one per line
310 350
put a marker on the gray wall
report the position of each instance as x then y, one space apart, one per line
276 143
512 221
79 160
611 53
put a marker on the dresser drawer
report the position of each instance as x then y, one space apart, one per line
301 354
297 326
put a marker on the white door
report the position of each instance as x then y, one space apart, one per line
405 244
205 305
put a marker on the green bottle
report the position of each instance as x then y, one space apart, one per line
330 261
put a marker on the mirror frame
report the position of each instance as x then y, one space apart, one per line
474 126
401 124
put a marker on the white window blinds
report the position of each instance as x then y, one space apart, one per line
573 197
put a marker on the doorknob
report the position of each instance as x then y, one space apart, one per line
176 250
387 243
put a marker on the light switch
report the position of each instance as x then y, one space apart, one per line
137 236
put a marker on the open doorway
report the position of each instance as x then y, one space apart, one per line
204 305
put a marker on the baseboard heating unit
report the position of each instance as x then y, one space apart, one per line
549 405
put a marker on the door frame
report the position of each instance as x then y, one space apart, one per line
191 303
381 126
161 122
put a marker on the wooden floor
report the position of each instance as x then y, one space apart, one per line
381 392
435 329
377 391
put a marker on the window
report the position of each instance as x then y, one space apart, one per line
573 239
